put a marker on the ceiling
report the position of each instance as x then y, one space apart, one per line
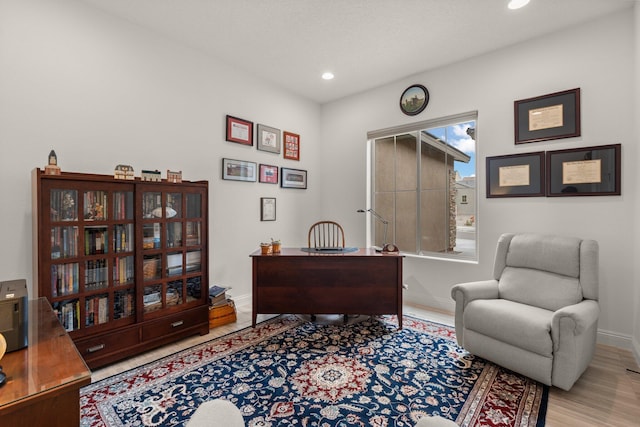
365 43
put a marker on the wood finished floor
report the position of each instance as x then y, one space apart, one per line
607 394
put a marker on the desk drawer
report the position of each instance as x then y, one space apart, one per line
175 323
108 343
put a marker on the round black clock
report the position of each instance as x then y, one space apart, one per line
414 100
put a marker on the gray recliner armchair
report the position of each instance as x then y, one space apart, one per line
538 316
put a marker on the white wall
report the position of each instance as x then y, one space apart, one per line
597 57
101 92
636 278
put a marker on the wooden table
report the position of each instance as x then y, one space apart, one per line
360 282
43 379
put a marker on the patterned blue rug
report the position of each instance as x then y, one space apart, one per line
288 372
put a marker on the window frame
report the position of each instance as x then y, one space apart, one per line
417 127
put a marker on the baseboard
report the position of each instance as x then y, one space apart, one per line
242 300
635 349
614 339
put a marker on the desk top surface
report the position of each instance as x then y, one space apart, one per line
50 361
298 252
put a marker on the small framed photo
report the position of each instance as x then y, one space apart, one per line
268 139
546 117
267 208
293 178
239 130
516 175
238 170
589 171
414 100
291 146
268 174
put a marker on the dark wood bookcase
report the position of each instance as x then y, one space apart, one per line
122 262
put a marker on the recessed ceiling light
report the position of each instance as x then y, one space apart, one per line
517 4
328 75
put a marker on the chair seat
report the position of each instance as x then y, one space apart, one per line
216 413
522 325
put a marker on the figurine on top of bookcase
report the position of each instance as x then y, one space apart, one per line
174 176
52 167
123 172
148 175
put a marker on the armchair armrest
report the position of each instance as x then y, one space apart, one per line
463 293
466 292
583 314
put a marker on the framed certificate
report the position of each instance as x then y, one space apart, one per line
546 117
590 171
267 208
516 175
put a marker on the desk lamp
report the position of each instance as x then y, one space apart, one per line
386 247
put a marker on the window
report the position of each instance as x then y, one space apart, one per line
423 182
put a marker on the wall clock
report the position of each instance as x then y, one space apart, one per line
414 100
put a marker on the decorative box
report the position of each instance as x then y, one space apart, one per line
222 314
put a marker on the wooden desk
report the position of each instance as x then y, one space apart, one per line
44 379
293 281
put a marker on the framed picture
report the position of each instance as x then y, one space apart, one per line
414 100
516 175
293 178
590 171
291 146
239 130
267 208
268 174
546 117
268 139
238 170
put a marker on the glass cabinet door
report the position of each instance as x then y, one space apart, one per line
172 247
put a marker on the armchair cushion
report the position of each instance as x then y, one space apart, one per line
521 325
539 288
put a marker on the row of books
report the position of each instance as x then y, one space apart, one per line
123 270
95 205
64 242
63 205
96 274
124 238
64 279
123 205
68 313
96 310
123 304
95 241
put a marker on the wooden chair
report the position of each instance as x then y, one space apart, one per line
326 234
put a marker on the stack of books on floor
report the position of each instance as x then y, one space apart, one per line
222 310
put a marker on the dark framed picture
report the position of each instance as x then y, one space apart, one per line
268 174
267 208
268 139
238 170
239 130
291 145
414 100
293 178
589 171
546 117
516 175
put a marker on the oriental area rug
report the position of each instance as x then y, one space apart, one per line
290 372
